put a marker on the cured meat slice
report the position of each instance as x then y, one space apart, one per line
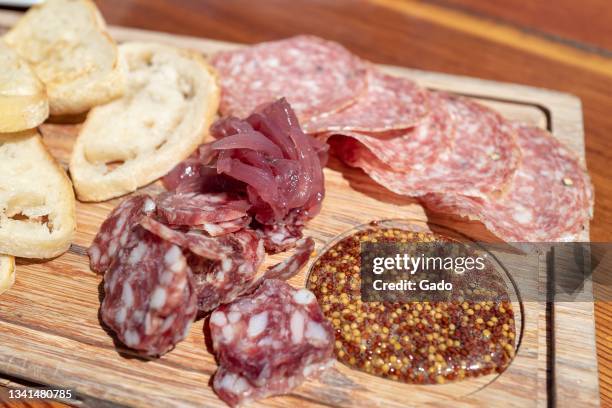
235 390
149 299
550 199
388 103
193 209
225 227
316 76
268 342
115 230
193 240
482 161
220 282
406 149
223 267
283 235
291 266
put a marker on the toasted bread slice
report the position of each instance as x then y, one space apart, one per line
37 205
165 114
23 98
66 43
7 272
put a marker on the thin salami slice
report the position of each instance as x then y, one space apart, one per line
388 103
115 230
406 149
549 182
222 281
149 299
268 342
225 227
193 209
224 267
291 266
316 76
195 241
283 235
481 163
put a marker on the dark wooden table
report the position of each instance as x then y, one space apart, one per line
564 45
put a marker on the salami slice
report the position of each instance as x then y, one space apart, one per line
388 103
225 227
316 76
196 242
193 209
269 342
292 265
226 266
406 149
220 282
481 163
149 299
283 235
550 199
115 230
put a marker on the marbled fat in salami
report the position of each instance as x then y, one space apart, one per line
192 240
220 282
550 198
268 342
149 299
115 230
284 234
316 76
389 103
223 267
225 227
193 209
482 161
291 266
404 149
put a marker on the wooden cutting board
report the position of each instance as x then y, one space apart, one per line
50 332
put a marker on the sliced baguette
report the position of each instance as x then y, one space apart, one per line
165 114
23 98
7 272
37 205
66 43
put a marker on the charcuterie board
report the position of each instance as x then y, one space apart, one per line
50 332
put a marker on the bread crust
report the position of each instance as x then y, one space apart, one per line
145 154
7 273
66 43
37 203
23 97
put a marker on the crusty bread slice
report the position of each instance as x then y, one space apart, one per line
165 114
7 272
66 43
37 205
23 98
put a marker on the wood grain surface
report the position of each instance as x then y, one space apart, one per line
534 42
58 339
585 25
463 37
